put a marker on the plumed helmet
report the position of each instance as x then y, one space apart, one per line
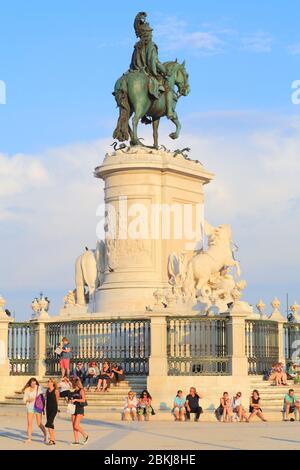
141 26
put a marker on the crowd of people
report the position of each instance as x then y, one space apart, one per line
39 401
90 375
73 386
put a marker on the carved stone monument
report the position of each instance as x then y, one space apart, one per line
154 205
153 256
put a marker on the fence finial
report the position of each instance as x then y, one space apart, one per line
276 314
261 308
295 309
2 303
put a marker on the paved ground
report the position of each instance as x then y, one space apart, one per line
156 435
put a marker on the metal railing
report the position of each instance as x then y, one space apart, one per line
126 342
197 346
21 348
261 341
291 341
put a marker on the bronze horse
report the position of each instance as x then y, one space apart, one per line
133 98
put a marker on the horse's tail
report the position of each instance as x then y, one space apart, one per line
121 132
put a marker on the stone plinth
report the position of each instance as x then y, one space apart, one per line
157 199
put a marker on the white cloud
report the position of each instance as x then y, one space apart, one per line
48 214
175 34
51 203
20 172
260 42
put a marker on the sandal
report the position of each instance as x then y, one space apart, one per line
51 443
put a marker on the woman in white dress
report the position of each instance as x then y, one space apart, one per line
31 391
130 407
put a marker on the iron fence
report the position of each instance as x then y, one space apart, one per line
197 346
21 348
126 342
261 341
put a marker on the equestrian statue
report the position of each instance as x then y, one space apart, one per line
150 89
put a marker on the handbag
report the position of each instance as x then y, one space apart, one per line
71 408
39 402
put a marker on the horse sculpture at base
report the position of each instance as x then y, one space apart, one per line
208 263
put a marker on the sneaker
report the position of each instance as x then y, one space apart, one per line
85 439
292 419
75 443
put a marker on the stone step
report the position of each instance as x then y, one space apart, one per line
114 415
280 392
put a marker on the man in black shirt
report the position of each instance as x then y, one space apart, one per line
192 404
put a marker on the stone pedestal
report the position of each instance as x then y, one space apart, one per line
4 361
40 346
236 340
158 364
157 200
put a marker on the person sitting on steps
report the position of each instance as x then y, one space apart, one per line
254 408
179 407
130 407
192 404
290 405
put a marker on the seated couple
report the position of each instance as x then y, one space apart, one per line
138 408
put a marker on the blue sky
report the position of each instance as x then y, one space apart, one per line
60 60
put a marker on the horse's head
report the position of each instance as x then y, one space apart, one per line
180 76
182 80
220 235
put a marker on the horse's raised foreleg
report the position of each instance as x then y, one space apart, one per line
175 120
155 124
238 268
